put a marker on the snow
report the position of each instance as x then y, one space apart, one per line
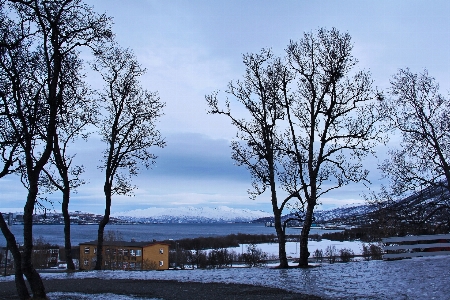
292 248
222 213
418 278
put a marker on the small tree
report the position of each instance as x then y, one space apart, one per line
372 251
128 128
254 257
318 255
346 255
331 253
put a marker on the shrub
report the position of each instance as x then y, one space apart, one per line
376 252
255 256
318 255
331 253
346 255
372 251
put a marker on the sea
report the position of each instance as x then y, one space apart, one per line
54 234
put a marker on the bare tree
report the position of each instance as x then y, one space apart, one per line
11 38
258 139
420 168
332 119
128 128
34 49
9 143
76 113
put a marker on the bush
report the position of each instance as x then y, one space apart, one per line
232 240
220 258
372 251
331 253
346 255
255 256
376 252
318 255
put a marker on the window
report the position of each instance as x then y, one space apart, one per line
161 250
132 252
138 252
86 262
87 250
95 250
161 263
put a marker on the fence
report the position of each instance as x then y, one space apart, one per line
414 246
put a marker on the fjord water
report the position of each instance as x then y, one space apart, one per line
54 234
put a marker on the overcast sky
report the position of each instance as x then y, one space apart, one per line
192 48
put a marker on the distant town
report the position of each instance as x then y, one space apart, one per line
77 217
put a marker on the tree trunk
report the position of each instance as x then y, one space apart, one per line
304 253
278 226
21 287
33 278
67 242
281 240
63 172
101 227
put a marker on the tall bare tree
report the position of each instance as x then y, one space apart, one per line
332 118
76 113
34 49
9 144
419 114
258 139
128 127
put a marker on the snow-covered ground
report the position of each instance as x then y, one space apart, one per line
418 278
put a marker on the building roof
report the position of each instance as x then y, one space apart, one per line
124 243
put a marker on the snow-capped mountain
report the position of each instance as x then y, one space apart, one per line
192 215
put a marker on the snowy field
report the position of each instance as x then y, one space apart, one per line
418 278
292 248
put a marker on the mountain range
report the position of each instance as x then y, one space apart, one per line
191 215
223 214
431 204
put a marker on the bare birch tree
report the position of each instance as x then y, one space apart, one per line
35 46
128 127
420 167
332 118
258 139
76 113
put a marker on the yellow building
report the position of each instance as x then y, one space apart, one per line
120 255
